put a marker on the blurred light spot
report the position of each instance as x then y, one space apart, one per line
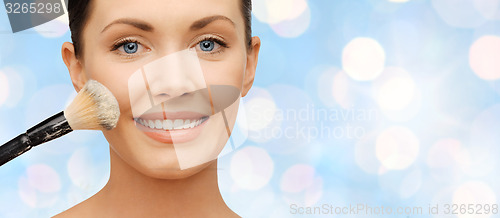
458 13
477 161
410 184
46 102
444 159
43 178
297 178
363 59
341 90
27 192
489 9
364 154
444 153
260 112
483 57
399 1
4 88
16 84
260 108
54 28
441 195
39 188
476 193
480 158
275 11
484 130
397 148
318 83
396 94
251 168
293 27
301 185
80 168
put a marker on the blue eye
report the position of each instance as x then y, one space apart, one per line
207 45
130 47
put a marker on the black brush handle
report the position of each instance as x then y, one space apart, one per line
14 148
51 128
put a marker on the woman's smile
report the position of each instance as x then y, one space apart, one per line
172 127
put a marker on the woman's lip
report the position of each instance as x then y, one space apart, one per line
184 115
173 136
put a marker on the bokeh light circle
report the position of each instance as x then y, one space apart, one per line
397 148
297 178
17 78
301 185
80 168
43 178
411 184
40 186
275 11
342 90
458 13
261 108
294 27
444 153
396 94
54 28
251 168
4 88
484 56
476 193
480 157
489 9
363 59
364 153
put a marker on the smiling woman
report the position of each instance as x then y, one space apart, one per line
177 69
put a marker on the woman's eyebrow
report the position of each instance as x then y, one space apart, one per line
199 24
133 22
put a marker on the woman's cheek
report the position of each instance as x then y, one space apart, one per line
228 72
116 80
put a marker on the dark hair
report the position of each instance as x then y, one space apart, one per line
78 11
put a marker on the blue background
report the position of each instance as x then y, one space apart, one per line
392 104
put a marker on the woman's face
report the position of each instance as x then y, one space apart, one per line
138 49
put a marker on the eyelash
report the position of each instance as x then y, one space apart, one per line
216 40
120 43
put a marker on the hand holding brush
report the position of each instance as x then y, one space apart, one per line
94 108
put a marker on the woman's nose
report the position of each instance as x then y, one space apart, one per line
174 75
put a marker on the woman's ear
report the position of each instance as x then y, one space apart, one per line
74 66
252 59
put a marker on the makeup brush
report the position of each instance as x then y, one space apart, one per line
94 108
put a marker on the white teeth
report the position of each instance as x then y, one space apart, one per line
178 124
170 124
158 124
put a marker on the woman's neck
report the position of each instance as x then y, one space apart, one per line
130 193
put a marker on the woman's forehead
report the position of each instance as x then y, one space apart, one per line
165 13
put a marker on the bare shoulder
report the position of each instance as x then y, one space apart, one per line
82 209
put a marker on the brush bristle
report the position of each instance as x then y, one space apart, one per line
94 108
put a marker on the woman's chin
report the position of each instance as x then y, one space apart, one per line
172 171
